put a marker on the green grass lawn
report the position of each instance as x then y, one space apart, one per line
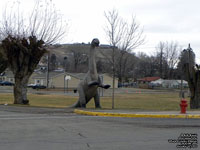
157 102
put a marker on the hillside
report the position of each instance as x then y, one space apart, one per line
67 50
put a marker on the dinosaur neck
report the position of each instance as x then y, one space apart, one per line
92 61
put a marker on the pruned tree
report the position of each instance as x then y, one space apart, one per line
192 73
186 56
193 78
25 39
123 37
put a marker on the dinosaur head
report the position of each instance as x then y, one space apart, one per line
95 42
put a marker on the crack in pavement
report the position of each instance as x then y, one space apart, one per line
81 135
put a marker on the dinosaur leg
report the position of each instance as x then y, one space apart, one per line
82 97
97 100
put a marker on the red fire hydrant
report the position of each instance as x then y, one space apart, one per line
183 106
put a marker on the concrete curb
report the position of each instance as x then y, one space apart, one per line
105 114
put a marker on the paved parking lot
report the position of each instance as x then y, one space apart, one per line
38 128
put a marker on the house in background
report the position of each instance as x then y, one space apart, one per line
7 76
69 80
57 79
174 84
151 82
147 80
157 83
169 83
185 83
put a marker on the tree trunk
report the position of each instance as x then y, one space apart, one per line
193 78
3 66
3 62
20 90
195 94
113 92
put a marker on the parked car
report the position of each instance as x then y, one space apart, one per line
37 86
6 83
31 85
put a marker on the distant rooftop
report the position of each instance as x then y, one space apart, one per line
149 79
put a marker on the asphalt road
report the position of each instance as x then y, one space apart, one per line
56 129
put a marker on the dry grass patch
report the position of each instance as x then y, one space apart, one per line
156 102
160 102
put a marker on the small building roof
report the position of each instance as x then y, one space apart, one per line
149 79
159 81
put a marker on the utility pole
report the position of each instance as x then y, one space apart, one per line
64 82
47 71
182 93
113 91
65 59
189 56
161 62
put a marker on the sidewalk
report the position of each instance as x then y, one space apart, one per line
138 114
104 112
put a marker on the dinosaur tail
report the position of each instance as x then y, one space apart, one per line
75 105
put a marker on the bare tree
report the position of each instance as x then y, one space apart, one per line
123 37
160 51
171 56
25 38
124 65
80 57
168 53
53 62
147 66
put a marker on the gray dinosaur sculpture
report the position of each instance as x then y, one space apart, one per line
87 88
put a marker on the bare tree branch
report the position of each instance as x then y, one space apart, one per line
44 22
123 37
